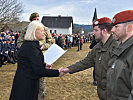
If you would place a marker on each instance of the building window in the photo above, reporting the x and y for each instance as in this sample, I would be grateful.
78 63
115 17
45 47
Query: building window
54 31
51 31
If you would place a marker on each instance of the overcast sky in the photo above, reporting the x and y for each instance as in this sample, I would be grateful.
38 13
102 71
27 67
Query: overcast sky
81 10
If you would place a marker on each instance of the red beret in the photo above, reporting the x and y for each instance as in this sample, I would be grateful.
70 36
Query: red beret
102 21
123 17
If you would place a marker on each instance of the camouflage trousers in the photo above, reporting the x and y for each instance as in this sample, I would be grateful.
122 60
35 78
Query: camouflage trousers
42 91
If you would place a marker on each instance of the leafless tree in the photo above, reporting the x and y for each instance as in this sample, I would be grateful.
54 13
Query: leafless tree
77 30
10 11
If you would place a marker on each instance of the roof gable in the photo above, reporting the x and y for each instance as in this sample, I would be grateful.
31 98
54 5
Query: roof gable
57 22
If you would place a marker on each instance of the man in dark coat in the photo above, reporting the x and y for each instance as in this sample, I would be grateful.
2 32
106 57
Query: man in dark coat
93 43
98 56
78 41
60 41
120 73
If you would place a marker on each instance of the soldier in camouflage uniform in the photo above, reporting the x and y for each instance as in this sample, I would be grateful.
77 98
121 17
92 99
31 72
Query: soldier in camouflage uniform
21 38
45 44
48 40
33 16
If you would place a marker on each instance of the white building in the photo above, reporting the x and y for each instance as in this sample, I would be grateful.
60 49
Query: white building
59 24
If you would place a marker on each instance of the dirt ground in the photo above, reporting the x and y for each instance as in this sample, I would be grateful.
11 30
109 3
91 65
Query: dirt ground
77 86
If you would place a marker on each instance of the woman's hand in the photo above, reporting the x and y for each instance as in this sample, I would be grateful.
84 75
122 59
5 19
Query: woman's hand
48 66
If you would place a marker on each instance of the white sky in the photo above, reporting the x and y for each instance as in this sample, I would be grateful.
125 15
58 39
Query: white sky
81 10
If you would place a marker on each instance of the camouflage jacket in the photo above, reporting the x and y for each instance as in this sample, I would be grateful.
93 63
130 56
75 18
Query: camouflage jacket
48 40
20 40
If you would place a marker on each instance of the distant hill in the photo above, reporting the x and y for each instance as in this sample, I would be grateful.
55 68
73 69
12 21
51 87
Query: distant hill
84 27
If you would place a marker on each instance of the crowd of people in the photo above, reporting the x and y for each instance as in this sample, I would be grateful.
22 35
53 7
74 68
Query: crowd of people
112 57
31 34
67 41
8 47
9 44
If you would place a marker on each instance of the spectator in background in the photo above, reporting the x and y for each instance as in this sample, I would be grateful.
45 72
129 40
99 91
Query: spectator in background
93 43
70 40
5 51
56 38
60 41
11 51
16 37
81 42
78 41
66 41
1 54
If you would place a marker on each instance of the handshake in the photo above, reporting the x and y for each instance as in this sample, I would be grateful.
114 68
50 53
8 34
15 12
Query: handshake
62 71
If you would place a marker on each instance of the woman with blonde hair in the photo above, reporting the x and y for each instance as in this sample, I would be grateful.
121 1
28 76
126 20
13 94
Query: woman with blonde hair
31 65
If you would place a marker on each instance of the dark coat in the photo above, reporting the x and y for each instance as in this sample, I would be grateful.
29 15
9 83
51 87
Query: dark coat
5 48
120 73
99 57
30 69
60 40
93 43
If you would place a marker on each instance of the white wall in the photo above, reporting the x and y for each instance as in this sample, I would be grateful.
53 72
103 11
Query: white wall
70 28
62 30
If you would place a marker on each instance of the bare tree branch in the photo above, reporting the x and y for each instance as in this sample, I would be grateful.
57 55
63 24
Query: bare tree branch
10 11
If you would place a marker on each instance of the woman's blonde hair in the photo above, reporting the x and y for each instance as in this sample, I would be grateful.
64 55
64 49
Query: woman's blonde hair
32 27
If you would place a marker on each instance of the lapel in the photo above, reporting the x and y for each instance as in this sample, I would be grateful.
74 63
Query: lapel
123 46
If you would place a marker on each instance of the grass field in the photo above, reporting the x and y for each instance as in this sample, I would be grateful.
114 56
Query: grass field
77 86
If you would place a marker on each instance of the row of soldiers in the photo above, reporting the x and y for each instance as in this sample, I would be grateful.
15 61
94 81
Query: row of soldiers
8 48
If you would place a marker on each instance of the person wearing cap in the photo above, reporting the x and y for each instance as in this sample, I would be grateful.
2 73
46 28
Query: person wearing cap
48 40
98 56
46 43
33 16
120 73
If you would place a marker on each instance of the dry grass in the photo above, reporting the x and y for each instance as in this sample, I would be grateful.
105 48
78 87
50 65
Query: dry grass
76 86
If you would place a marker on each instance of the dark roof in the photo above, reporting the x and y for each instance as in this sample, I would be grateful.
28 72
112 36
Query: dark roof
57 22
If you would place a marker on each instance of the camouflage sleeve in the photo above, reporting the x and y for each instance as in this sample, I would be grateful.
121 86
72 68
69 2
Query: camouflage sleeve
20 40
48 40
48 36
46 46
